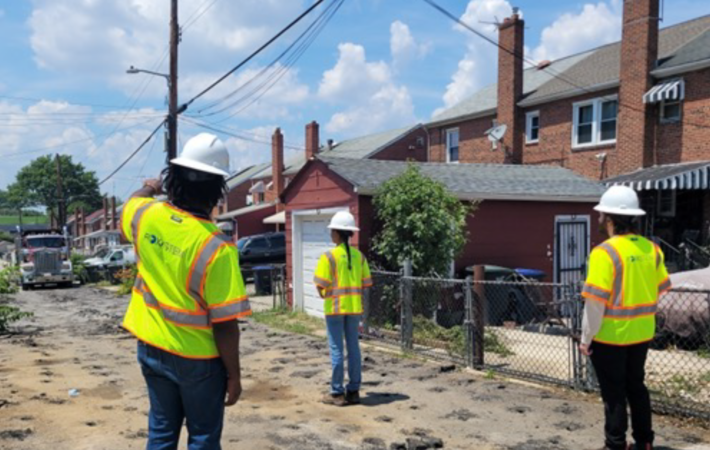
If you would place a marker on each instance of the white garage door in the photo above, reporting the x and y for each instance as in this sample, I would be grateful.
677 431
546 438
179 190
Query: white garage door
315 240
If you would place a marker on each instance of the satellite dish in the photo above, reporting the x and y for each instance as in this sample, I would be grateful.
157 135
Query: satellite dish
496 134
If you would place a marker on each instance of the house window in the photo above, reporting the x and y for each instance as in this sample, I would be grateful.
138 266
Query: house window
666 203
532 127
452 145
594 122
670 111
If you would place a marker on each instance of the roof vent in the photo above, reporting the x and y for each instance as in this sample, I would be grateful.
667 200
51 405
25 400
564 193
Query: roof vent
543 64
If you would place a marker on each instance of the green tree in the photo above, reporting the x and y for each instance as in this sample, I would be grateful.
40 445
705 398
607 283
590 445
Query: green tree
3 199
421 221
36 185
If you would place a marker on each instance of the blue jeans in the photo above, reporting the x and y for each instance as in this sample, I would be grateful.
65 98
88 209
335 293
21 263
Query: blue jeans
339 327
183 389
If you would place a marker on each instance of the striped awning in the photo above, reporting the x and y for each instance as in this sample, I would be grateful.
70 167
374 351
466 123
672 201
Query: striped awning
668 90
667 177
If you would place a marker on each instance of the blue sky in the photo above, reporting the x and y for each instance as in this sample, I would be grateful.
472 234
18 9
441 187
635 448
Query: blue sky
378 64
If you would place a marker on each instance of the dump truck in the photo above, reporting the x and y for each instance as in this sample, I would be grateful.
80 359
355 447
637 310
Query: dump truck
44 258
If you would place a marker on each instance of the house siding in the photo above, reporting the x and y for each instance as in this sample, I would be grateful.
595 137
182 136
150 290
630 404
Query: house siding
474 146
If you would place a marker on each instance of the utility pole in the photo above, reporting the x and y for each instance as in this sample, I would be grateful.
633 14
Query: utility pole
61 219
172 82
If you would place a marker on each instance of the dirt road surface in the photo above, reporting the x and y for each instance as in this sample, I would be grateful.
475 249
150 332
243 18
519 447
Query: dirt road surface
74 342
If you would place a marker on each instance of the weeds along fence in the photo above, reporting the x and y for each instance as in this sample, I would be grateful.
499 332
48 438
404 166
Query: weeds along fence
528 329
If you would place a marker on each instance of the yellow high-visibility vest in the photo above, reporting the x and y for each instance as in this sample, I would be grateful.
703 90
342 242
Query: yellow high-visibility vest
343 287
188 279
627 273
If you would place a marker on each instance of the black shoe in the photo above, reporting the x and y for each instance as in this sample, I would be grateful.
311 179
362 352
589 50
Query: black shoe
353 397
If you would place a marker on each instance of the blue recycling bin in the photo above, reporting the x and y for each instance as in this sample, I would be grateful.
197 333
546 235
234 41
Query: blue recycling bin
534 274
262 280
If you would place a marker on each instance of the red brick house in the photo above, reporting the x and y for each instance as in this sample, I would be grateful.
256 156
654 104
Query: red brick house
537 217
97 228
253 204
635 112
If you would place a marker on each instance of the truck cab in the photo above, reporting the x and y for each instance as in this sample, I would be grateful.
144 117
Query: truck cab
43 258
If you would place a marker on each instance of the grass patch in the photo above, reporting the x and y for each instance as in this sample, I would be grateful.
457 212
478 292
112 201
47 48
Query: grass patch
26 220
453 339
293 322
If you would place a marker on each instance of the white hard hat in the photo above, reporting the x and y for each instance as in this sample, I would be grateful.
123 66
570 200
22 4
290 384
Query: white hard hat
620 201
343 220
205 153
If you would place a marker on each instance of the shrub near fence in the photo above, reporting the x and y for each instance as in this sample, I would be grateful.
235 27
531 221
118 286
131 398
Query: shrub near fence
528 329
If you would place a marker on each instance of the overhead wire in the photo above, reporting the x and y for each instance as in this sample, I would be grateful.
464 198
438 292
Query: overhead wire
140 172
239 134
134 153
252 55
273 63
549 70
301 44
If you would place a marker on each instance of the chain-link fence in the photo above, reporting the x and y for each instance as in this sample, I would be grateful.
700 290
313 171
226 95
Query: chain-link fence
528 329
268 284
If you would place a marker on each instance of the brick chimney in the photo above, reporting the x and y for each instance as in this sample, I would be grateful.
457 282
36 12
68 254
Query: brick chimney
639 52
114 218
106 223
312 140
510 85
82 229
277 164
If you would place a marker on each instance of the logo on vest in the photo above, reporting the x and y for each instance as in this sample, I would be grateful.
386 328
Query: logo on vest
167 246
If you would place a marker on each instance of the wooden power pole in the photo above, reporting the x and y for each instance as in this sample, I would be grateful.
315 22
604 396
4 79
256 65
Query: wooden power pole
61 216
173 82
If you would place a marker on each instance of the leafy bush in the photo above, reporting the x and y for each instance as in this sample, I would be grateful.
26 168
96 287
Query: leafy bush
127 278
79 268
421 221
10 314
8 280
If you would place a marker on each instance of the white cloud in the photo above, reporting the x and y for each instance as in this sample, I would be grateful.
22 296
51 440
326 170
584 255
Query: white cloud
477 68
48 127
353 76
595 25
372 99
403 46
101 39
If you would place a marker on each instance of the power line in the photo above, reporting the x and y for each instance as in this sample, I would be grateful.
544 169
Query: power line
191 21
252 96
238 134
135 152
549 70
65 144
37 99
250 57
140 172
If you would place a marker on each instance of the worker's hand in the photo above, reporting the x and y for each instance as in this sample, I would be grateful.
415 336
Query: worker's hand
154 183
234 390
585 350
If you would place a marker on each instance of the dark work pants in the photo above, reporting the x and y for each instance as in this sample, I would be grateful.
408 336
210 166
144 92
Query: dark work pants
620 371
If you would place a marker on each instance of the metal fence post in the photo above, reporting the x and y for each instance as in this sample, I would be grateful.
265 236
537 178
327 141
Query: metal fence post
468 322
407 325
478 313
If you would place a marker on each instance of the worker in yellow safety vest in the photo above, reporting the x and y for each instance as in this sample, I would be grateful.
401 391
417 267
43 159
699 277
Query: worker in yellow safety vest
627 274
341 277
187 298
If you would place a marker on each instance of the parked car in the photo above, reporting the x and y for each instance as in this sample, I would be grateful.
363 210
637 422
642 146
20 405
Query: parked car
109 260
260 250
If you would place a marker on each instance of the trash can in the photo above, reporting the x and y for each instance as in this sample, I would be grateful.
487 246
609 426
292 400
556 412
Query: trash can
262 280
496 295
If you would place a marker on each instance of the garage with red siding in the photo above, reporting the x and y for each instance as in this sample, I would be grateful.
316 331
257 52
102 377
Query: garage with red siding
537 217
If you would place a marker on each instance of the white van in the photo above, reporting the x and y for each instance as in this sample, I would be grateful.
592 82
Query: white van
114 257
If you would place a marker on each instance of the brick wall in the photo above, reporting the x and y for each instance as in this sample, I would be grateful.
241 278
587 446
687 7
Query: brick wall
406 148
474 146
683 141
555 140
510 84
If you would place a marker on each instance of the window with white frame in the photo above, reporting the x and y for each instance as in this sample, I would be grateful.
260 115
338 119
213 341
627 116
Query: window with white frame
594 122
670 110
452 145
532 127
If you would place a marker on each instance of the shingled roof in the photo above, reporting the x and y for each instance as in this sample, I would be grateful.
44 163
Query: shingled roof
475 181
592 70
